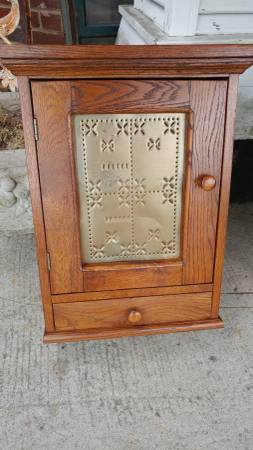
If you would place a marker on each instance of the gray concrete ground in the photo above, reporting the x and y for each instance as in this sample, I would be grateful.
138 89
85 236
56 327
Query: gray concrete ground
189 391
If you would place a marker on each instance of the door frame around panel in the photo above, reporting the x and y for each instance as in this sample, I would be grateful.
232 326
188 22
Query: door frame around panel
112 270
91 274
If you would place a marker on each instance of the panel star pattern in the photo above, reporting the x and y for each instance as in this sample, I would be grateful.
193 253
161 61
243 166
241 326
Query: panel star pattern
130 176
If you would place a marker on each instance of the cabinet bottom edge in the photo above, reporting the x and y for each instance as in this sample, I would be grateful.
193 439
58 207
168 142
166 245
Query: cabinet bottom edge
75 336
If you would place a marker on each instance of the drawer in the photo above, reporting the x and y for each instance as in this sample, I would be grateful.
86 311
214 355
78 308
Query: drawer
129 312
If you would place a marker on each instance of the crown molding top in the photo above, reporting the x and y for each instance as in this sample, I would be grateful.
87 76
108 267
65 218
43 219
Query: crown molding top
126 61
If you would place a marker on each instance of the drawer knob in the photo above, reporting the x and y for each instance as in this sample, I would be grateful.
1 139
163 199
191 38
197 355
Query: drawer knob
206 182
134 316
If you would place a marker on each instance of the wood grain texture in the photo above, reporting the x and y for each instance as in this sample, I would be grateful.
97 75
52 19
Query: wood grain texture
87 52
128 293
123 275
34 184
122 69
208 100
126 61
126 96
225 191
51 107
60 201
115 313
144 330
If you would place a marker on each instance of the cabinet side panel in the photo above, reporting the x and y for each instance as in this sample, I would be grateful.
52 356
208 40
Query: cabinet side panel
225 190
52 107
208 102
33 174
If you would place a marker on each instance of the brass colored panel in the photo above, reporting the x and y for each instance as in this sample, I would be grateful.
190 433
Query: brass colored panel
130 176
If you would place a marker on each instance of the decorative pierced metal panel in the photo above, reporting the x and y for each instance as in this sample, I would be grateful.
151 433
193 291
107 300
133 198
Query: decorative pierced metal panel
130 175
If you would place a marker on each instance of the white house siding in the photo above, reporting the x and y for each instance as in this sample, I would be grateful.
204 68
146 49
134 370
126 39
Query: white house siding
225 17
224 23
229 17
225 6
195 21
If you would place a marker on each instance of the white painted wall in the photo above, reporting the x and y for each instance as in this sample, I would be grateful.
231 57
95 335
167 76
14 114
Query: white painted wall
193 17
195 21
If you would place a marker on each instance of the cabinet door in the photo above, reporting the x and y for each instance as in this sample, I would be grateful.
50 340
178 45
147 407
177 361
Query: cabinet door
130 177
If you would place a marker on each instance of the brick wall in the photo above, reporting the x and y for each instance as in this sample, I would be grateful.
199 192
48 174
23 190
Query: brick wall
41 21
46 22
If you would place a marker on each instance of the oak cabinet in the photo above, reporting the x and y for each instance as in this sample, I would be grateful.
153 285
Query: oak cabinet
129 154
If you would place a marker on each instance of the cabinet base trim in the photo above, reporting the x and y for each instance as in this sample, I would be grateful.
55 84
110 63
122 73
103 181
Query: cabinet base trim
75 336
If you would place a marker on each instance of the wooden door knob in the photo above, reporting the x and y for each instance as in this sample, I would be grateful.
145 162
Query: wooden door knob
134 316
206 182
